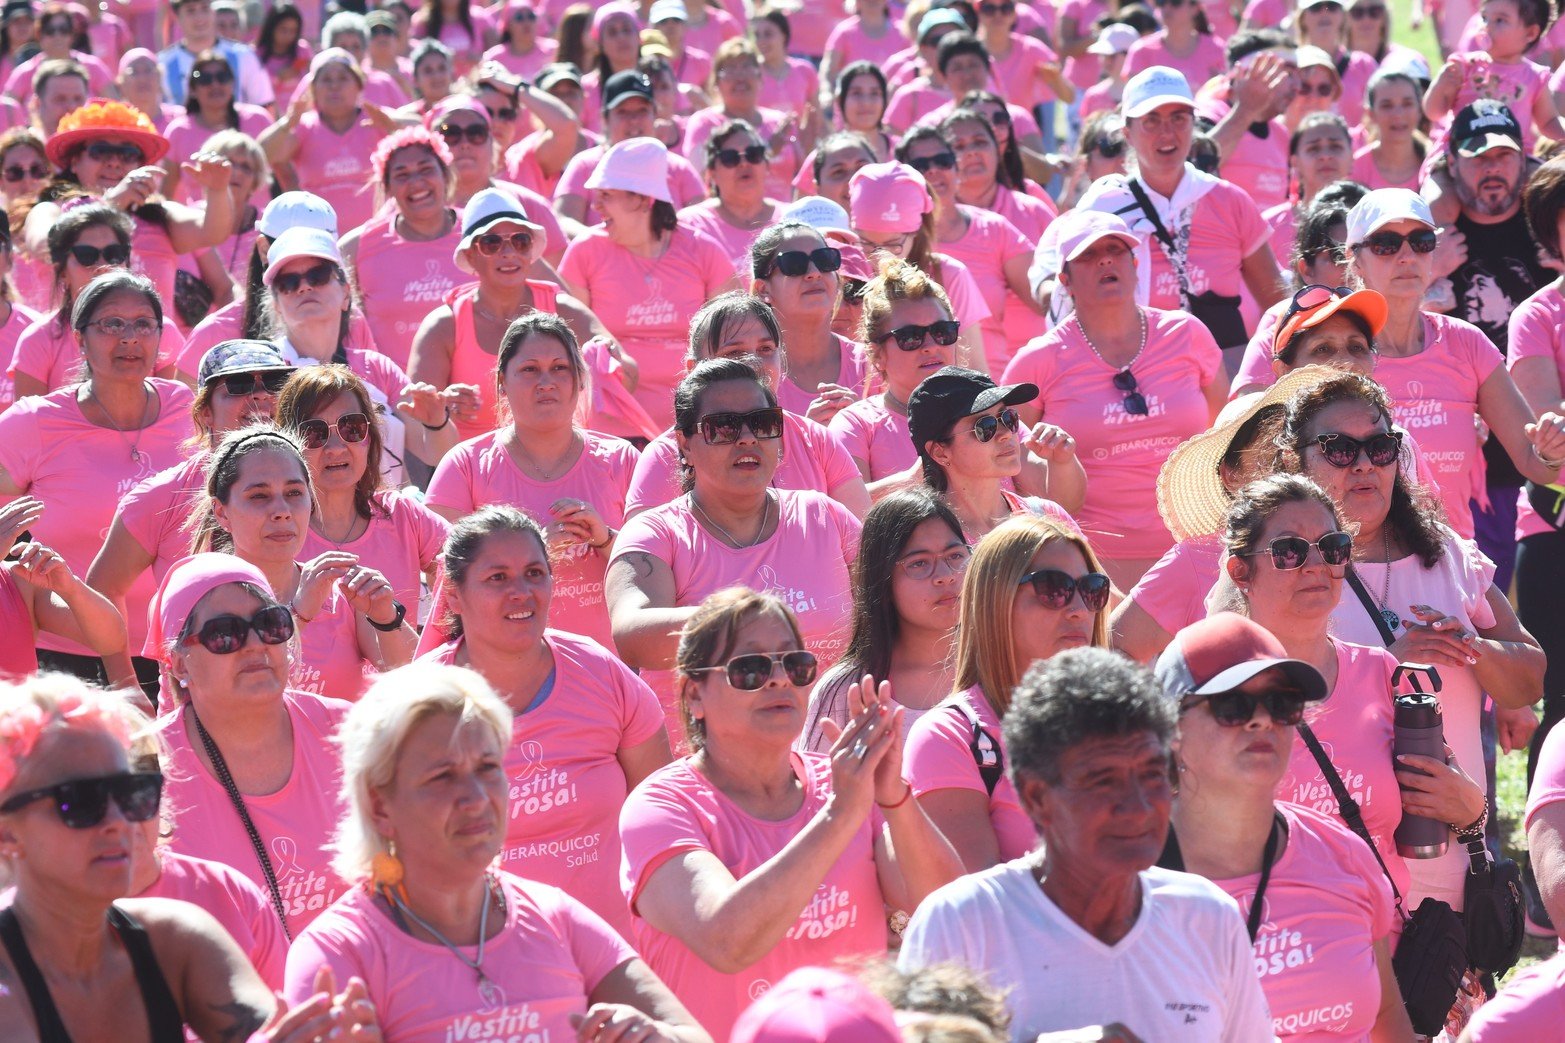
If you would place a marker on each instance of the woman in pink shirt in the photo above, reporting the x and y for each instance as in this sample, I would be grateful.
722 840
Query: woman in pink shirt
749 859
1185 43
1320 152
521 49
1026 70
736 82
585 732
710 24
869 35
467 28
1318 907
210 107
281 46
18 318
1322 24
1032 589
426 807
1392 104
616 34
789 84
736 162
861 109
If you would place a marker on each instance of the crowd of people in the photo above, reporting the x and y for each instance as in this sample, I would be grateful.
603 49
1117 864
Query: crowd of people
677 521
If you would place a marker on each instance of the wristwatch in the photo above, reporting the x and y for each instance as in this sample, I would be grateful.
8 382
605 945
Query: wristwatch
396 620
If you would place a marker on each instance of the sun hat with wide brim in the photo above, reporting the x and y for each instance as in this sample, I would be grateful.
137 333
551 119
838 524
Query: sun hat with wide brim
103 119
1190 492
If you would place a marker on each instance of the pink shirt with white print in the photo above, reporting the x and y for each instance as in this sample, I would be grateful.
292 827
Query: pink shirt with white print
677 809
1259 165
1515 84
402 280
1017 74
336 167
482 471
401 543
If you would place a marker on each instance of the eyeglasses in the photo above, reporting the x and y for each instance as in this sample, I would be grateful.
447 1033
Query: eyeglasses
350 427
57 29
912 337
749 673
1389 244
141 329
91 256
504 114
221 75
1364 13
1236 709
17 172
923 566
740 71
1292 552
475 133
1055 589
102 151
891 246
1343 451
1110 148
986 427
732 157
796 262
524 15
227 634
1135 402
725 428
242 385
317 275
491 243
82 803
939 161
1324 89
993 9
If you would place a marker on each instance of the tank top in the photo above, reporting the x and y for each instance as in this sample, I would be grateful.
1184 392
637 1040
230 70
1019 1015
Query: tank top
162 1012
18 657
402 280
471 364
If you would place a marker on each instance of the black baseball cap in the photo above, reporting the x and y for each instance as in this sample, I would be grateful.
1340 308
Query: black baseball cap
952 393
557 72
625 85
1483 125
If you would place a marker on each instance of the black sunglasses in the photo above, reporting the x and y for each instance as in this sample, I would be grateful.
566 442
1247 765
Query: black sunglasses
351 427
317 275
105 150
998 118
240 385
1235 709
1292 552
797 262
219 75
504 114
82 803
227 634
491 243
1135 402
986 427
1366 12
57 29
1055 589
475 133
992 9
939 161
1389 244
1343 451
1110 148
725 428
91 256
16 172
732 157
749 673
912 337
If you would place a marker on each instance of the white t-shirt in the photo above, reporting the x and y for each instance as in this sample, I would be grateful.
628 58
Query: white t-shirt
1183 973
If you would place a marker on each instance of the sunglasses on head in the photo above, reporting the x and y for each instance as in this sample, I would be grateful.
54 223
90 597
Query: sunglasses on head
1236 709
1135 402
504 114
221 75
939 161
92 256
102 151
732 157
725 428
475 133
83 803
796 262
1293 552
912 337
317 275
986 427
749 673
17 172
1311 297
1367 12
1343 451
1110 148
242 385
1389 244
227 634
491 243
1055 589
350 427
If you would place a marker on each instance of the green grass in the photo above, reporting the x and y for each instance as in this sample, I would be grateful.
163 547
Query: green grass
1423 40
1510 799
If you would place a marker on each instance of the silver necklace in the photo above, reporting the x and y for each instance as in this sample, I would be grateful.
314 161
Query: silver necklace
765 510
1142 347
1392 619
133 446
477 965
532 461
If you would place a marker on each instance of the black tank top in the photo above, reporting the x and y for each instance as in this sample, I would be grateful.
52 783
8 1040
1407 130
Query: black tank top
162 1012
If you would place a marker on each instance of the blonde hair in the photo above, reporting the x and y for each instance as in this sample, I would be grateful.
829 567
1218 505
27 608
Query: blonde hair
225 141
985 643
709 637
372 736
897 280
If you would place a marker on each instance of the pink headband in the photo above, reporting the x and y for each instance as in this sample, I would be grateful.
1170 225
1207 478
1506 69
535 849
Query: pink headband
186 583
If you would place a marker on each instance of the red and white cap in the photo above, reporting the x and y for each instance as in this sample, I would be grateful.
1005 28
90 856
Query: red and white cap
1222 652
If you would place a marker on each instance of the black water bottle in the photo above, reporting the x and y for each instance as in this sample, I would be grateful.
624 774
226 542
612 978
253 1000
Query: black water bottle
1419 729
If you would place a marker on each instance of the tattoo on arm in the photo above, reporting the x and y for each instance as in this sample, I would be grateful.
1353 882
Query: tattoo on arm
244 1020
641 561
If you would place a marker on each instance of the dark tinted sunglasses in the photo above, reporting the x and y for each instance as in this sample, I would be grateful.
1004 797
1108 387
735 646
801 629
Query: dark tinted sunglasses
351 427
225 635
749 673
1055 589
16 172
1235 709
1366 12
1324 89
1110 148
732 157
911 337
475 133
1292 552
725 428
106 150
993 9
317 275
1389 244
57 29
239 385
82 803
1343 451
92 256
491 243
1135 402
504 114
797 262
221 76
940 161
986 427
998 118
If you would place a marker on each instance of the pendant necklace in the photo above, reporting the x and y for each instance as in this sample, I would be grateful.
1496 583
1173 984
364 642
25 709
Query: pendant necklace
1392 619
477 965
133 446
765 510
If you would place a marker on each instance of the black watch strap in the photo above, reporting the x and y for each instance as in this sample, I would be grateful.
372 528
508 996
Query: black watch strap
396 620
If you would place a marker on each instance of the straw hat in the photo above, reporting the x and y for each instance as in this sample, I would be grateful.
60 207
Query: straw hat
1190 493
102 120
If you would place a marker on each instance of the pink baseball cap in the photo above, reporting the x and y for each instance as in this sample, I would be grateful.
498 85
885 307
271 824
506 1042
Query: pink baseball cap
888 199
184 585
610 10
134 55
638 165
457 103
816 1005
1079 229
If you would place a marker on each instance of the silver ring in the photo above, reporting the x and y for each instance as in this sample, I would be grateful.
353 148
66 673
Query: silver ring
859 749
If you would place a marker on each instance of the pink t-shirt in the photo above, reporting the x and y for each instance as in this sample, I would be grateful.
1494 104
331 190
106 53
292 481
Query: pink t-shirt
804 562
791 91
186 136
1283 221
736 242
46 354
16 324
100 80
647 302
539 970
1366 173
875 436
1530 1007
1083 71
400 543
913 102
1173 591
328 662
850 42
1100 97
940 756
1516 84
1121 453
18 655
1548 780
336 167
401 281
684 183
481 471
524 65
785 161
967 302
1354 726
1206 61
716 26
852 372
1537 330
989 243
1017 73
813 458
241 906
296 823
1325 906
80 471
154 512
567 785
1257 165
677 809
224 324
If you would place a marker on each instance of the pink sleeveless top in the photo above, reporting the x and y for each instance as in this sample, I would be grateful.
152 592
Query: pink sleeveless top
401 281
471 364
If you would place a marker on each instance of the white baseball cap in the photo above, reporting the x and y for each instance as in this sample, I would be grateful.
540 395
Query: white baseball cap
296 210
1114 39
1151 88
295 243
637 165
666 9
1380 208
1079 229
820 213
1407 62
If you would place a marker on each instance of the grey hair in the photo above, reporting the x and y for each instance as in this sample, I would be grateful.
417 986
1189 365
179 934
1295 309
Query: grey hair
345 22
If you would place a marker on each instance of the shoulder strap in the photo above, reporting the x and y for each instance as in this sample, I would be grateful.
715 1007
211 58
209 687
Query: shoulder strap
1349 808
1369 606
1175 258
50 1028
162 1011
985 749
1174 859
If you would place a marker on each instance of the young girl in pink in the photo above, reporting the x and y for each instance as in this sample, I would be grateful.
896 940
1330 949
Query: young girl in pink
868 35
1502 71
1185 43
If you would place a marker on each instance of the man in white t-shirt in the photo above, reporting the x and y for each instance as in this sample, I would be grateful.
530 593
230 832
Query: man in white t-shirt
1085 931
